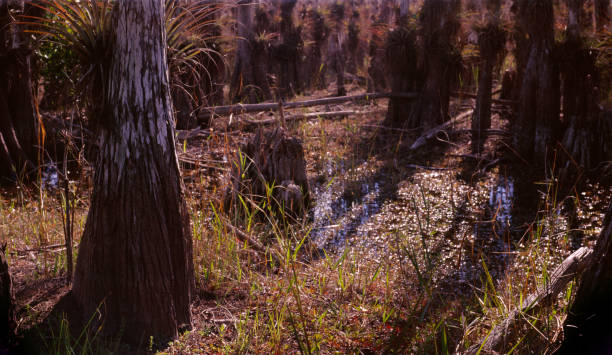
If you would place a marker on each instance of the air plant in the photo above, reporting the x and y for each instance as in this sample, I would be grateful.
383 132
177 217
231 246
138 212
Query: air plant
85 28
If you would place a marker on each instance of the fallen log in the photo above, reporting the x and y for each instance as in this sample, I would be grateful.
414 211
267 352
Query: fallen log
253 243
207 112
504 334
307 116
422 140
495 101
488 132
182 135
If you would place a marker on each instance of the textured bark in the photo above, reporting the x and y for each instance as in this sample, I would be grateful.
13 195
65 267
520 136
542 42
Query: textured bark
19 121
135 258
354 47
580 109
587 327
481 120
537 125
273 158
288 52
520 38
314 75
335 51
244 86
402 64
491 41
377 80
439 25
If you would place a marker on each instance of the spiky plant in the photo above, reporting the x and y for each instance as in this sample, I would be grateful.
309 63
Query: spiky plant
190 30
85 28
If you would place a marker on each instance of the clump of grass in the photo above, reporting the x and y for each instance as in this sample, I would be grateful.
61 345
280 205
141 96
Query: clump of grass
543 247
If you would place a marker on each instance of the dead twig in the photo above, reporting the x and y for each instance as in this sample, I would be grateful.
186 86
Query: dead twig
422 140
207 112
505 332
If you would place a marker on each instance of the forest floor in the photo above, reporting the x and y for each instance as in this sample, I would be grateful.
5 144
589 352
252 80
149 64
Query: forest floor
418 251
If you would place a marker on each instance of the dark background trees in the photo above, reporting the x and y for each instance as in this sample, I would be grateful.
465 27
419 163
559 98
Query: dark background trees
553 100
20 135
491 42
537 124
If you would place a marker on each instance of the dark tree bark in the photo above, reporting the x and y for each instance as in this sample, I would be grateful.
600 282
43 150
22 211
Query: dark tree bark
520 39
402 58
354 48
537 125
314 66
439 26
587 327
19 120
377 81
602 15
246 85
288 52
135 258
335 50
491 41
584 124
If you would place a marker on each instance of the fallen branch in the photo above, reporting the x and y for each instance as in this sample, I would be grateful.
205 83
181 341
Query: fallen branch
489 132
254 243
38 250
495 101
309 116
422 140
182 135
207 112
190 163
422 167
505 332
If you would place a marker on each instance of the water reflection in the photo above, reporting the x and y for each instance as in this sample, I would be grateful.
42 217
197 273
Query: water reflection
501 198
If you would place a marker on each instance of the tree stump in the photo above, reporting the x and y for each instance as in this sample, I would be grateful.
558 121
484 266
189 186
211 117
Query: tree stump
270 169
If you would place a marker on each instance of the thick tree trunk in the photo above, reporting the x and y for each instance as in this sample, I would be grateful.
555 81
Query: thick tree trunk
19 122
288 52
354 48
244 86
402 58
377 81
537 126
481 120
135 258
314 66
521 48
587 327
582 119
491 41
602 15
439 25
336 46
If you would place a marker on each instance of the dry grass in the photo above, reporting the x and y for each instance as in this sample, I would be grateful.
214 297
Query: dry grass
414 277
